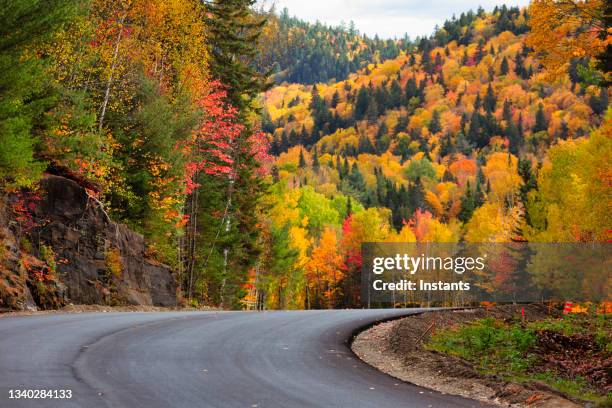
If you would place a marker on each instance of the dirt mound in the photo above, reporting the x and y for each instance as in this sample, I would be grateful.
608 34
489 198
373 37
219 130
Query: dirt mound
576 355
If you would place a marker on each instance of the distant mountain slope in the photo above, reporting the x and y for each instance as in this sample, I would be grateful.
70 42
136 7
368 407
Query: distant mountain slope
301 52
460 138
461 120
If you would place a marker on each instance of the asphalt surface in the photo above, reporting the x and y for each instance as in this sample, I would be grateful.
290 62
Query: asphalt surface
200 359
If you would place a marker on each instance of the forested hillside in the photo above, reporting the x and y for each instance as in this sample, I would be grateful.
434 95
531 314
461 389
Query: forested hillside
296 51
163 114
464 137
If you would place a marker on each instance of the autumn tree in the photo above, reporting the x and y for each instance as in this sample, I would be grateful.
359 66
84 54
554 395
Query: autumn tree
325 271
561 31
233 29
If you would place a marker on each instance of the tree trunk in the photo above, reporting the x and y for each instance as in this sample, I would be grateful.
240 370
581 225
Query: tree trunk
111 75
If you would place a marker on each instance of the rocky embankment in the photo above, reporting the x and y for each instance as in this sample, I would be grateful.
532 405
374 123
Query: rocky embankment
58 246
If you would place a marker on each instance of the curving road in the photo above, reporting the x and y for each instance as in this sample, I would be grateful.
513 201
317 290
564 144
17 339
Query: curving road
200 359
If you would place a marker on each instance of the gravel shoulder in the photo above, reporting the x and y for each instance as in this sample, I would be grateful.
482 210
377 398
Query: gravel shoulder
102 309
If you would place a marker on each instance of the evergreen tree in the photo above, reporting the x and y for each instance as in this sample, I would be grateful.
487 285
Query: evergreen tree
540 120
479 51
349 207
477 103
365 145
600 103
410 90
416 196
315 160
403 149
335 99
383 141
504 68
564 132
519 68
233 28
25 91
476 134
302 161
448 176
468 204
293 138
438 61
362 103
446 146
319 110
426 62
345 167
372 112
284 142
489 101
395 95
356 180
479 198
434 123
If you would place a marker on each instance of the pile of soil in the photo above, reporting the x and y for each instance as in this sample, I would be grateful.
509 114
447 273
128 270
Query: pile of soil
397 348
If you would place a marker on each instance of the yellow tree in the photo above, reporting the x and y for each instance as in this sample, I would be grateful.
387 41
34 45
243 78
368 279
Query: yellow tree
493 223
573 199
325 271
501 171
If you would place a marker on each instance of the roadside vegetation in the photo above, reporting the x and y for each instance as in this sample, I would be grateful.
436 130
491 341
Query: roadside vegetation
571 354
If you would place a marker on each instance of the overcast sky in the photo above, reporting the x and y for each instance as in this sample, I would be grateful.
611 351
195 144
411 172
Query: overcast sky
387 18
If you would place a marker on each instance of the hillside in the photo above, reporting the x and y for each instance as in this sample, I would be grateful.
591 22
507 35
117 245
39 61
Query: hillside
461 138
296 51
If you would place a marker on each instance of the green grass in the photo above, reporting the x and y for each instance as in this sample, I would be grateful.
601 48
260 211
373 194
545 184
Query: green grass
508 349
489 344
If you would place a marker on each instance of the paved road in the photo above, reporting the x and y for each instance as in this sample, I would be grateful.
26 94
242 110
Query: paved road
192 359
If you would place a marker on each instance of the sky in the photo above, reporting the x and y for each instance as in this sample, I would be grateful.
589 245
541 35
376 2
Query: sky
387 18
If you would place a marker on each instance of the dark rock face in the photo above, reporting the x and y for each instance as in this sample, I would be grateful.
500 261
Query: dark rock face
97 260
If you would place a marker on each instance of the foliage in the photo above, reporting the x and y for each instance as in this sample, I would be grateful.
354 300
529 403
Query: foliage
155 107
563 31
526 351
459 137
120 96
25 94
301 52
113 263
489 343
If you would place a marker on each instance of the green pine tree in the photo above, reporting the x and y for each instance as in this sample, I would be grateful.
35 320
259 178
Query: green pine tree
434 123
25 91
504 68
540 120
